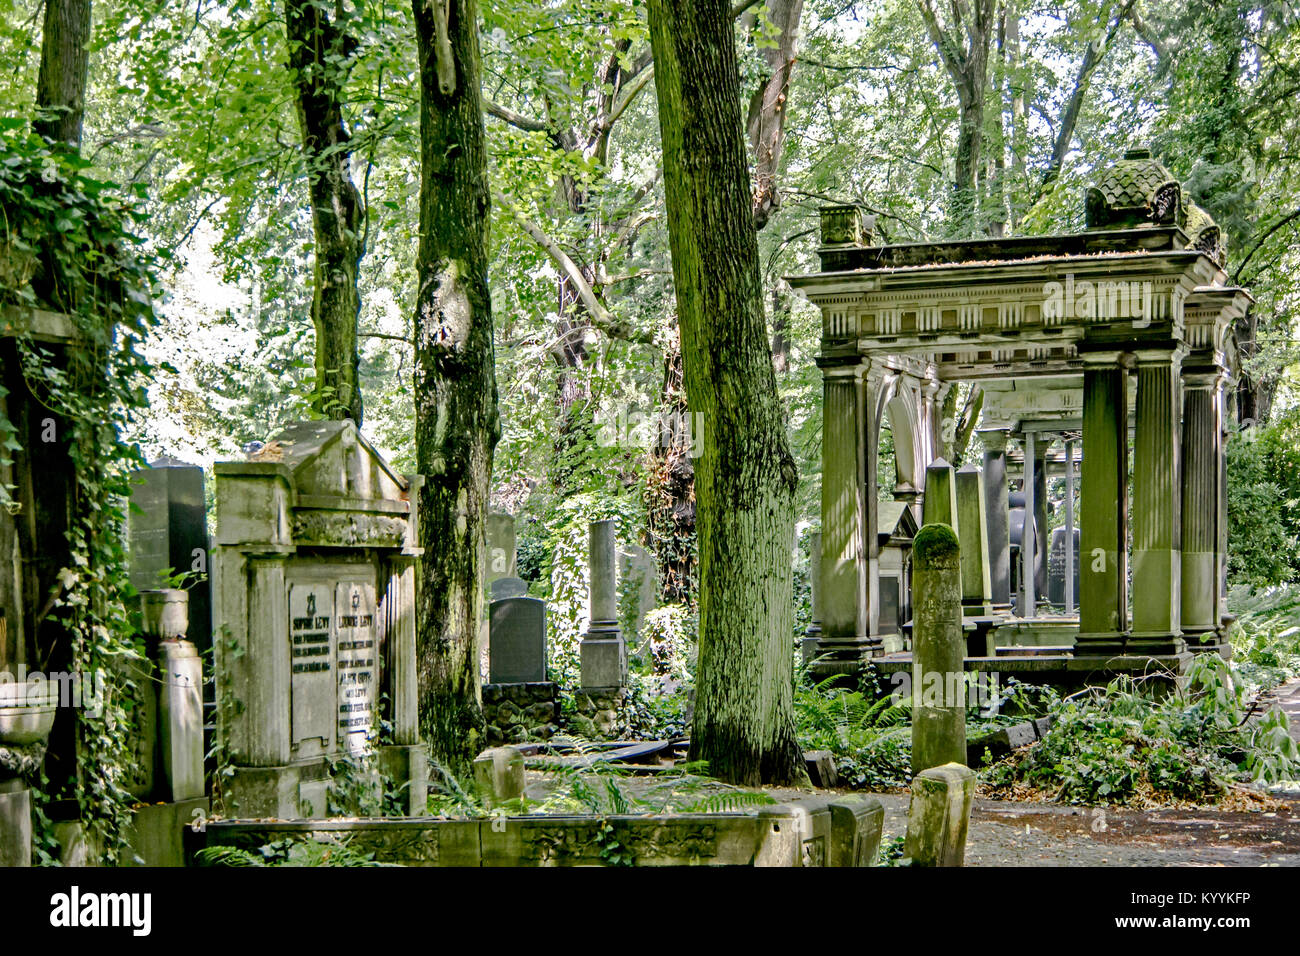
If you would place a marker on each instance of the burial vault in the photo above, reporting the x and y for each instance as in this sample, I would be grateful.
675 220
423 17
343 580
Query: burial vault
1085 344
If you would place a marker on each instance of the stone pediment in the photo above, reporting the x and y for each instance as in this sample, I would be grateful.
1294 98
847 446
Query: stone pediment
318 483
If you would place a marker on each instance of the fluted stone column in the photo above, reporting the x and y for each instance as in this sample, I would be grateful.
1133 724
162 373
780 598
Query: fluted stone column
846 511
1202 451
997 519
812 636
1103 507
1157 501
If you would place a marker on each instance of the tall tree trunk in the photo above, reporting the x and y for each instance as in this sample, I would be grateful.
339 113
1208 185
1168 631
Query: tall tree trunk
65 61
767 107
456 418
964 49
745 479
319 55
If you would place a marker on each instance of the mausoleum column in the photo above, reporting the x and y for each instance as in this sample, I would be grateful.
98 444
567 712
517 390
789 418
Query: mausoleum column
1157 501
1202 450
998 520
1103 506
844 553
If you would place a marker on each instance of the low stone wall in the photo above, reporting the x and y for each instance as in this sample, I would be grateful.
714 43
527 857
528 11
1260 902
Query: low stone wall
819 831
520 712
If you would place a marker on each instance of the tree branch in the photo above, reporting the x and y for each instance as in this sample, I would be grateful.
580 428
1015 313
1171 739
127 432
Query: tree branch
600 316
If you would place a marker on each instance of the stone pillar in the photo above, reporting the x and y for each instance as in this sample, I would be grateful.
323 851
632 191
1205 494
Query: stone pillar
1157 499
1103 506
1069 527
1202 434
1041 543
603 655
844 575
940 495
972 521
180 719
1226 393
997 520
1029 549
938 651
814 632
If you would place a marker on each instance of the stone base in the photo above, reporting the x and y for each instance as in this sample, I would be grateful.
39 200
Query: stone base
603 661
156 835
406 767
16 828
293 792
1060 669
516 713
597 716
842 659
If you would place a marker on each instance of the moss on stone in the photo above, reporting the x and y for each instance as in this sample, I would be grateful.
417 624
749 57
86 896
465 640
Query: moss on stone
935 546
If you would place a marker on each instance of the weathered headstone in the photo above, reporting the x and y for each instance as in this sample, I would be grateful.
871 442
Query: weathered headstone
602 652
16 828
1056 567
500 546
972 525
940 505
938 816
517 641
638 579
314 585
938 674
180 719
499 776
503 588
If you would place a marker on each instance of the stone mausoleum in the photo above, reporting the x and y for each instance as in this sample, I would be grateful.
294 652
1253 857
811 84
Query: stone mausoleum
1107 360
314 623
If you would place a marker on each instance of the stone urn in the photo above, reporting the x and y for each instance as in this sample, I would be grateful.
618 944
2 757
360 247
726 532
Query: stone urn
165 613
27 711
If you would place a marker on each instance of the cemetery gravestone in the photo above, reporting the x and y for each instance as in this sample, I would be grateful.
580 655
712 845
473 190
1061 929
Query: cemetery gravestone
314 587
168 529
517 641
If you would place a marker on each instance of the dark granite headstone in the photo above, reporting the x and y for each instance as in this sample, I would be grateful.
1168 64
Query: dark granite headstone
169 530
517 641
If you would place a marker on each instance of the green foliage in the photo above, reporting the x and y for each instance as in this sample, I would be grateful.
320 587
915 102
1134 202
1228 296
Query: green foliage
316 852
1123 744
76 233
1264 502
1265 636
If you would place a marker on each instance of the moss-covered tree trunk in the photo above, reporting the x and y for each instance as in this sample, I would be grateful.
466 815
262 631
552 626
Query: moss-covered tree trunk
456 419
745 480
319 57
65 60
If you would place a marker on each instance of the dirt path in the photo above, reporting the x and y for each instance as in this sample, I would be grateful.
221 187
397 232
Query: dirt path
1034 834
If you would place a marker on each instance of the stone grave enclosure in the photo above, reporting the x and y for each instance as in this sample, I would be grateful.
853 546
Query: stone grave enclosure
313 590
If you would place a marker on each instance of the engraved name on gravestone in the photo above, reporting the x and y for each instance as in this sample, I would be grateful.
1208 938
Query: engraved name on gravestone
356 665
311 683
